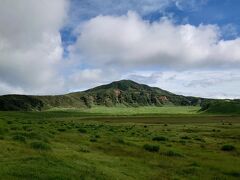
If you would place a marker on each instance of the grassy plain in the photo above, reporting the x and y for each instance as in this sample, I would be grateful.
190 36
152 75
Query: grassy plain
90 145
130 111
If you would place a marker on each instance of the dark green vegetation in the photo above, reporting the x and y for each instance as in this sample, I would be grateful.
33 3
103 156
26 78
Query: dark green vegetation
83 145
121 93
222 106
228 147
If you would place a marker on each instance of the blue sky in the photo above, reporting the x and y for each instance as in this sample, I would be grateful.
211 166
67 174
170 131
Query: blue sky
189 47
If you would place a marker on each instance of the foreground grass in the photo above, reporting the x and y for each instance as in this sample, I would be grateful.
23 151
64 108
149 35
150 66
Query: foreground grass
76 145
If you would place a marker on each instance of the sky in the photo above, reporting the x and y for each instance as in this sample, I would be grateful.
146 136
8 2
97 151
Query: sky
188 47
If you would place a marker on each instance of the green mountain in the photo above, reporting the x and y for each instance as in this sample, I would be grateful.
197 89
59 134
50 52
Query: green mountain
124 92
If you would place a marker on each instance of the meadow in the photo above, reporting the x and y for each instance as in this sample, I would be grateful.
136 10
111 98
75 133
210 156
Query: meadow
119 144
131 111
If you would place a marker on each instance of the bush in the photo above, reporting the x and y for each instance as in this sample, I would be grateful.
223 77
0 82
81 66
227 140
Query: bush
93 139
81 130
199 139
151 148
61 129
172 154
33 135
182 142
97 136
39 145
119 140
3 131
159 138
19 137
228 147
185 137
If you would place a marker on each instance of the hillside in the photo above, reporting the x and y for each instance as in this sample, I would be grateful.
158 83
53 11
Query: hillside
221 107
124 92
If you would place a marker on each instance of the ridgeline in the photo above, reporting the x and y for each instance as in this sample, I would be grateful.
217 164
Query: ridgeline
125 93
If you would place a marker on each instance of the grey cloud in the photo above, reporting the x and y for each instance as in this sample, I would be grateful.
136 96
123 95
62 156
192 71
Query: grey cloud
30 45
146 79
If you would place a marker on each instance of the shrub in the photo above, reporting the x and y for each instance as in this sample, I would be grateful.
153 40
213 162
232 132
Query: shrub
182 142
34 135
39 145
9 122
97 136
151 148
172 154
14 128
159 138
19 137
81 130
185 137
93 139
228 147
199 139
119 140
3 131
61 129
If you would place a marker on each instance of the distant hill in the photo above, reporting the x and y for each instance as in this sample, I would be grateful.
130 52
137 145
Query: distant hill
221 107
124 92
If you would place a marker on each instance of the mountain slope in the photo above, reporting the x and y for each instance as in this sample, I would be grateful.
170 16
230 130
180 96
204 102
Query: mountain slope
221 107
124 92
130 93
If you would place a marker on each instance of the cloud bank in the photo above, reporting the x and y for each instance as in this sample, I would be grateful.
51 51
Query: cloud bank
202 83
30 45
131 41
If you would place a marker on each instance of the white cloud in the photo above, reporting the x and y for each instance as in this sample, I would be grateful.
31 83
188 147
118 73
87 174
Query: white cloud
191 5
89 78
201 83
131 41
30 45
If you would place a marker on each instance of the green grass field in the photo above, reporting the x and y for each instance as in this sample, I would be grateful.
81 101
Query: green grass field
129 111
87 144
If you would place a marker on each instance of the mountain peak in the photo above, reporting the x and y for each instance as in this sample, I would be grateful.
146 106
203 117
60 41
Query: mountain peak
122 85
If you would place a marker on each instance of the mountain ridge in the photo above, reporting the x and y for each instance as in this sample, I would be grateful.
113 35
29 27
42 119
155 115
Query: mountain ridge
123 92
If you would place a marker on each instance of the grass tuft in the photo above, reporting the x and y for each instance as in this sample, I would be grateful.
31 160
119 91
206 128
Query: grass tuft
228 147
172 154
82 130
159 138
151 147
39 145
19 138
